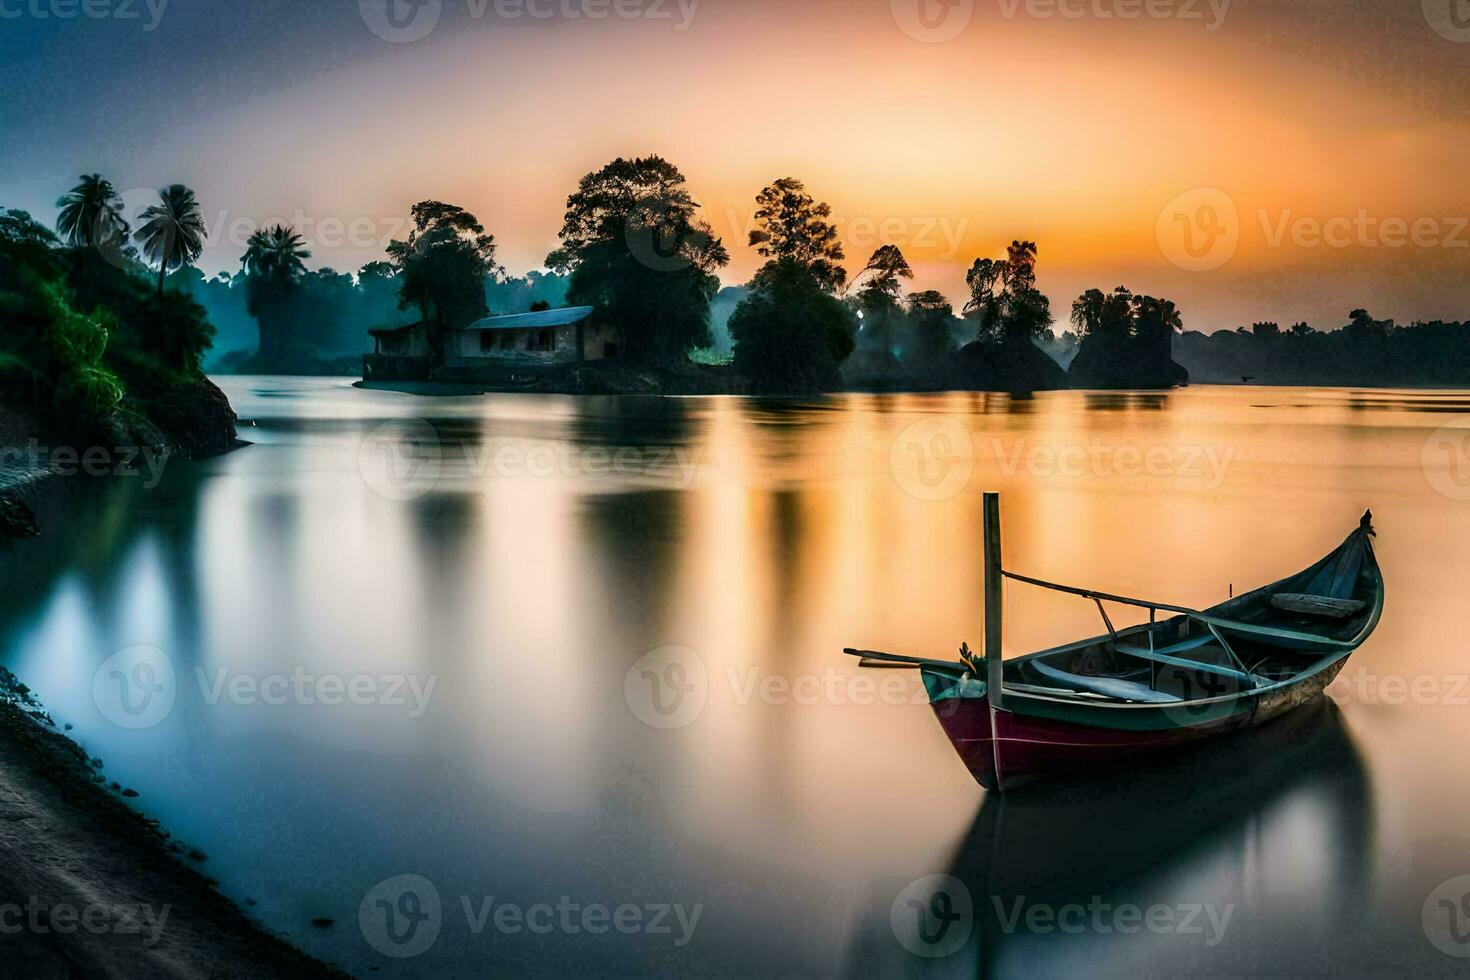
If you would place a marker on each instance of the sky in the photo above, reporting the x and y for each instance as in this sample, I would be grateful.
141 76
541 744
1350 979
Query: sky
1251 160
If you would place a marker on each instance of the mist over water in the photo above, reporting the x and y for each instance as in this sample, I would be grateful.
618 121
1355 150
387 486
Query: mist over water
585 653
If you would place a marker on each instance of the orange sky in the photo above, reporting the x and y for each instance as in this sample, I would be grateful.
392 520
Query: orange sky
1074 132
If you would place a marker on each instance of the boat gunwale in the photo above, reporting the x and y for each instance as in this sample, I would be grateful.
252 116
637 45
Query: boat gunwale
1339 649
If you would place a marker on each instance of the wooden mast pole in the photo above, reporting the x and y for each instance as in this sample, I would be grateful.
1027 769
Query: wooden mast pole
993 603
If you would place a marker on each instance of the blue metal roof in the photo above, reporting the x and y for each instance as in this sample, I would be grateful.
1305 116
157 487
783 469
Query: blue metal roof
534 321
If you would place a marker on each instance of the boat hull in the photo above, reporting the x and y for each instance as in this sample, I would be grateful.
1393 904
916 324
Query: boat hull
1010 747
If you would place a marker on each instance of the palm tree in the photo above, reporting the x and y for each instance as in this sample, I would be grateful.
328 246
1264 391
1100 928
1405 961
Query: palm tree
92 213
275 253
273 267
173 231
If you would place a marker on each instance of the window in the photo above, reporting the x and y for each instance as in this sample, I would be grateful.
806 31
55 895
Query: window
544 340
487 341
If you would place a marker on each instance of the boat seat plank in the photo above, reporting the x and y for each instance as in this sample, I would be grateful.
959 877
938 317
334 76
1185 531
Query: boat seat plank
1195 641
1159 656
1111 686
1317 605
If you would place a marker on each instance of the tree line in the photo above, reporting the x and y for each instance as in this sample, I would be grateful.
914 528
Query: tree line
632 245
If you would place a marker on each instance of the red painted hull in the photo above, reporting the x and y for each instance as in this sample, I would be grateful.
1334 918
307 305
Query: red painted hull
1004 750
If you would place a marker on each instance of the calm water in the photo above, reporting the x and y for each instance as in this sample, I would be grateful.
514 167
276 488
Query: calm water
574 663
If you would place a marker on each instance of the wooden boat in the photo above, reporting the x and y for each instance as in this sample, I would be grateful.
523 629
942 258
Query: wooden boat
1148 689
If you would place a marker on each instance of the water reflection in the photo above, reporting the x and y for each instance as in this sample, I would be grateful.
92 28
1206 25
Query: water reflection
795 530
1259 847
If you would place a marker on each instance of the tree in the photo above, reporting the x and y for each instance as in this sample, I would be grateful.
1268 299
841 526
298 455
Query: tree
635 249
1020 267
92 214
1107 316
1004 301
888 266
273 266
789 335
1266 330
793 227
1027 317
878 301
1155 322
443 264
986 295
1301 329
172 233
929 314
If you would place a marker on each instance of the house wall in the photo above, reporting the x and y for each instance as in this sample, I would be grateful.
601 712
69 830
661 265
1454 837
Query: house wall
512 346
413 342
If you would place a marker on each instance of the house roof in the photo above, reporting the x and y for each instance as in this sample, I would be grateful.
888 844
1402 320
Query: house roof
533 321
385 331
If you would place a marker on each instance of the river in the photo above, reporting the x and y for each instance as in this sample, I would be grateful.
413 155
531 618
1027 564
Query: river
557 681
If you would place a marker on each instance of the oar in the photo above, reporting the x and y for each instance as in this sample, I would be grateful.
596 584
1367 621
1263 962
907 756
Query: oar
879 658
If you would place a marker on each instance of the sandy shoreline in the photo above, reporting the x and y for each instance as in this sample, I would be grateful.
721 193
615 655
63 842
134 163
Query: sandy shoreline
90 887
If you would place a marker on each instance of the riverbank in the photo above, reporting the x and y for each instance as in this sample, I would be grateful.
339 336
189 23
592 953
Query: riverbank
161 419
590 378
90 887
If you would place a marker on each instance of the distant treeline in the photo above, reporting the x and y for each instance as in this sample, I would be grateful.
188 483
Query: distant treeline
633 246
330 313
1365 351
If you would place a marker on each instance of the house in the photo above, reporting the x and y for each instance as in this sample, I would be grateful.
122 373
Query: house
547 338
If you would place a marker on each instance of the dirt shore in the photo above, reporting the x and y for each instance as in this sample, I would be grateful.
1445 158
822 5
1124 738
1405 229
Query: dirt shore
90 887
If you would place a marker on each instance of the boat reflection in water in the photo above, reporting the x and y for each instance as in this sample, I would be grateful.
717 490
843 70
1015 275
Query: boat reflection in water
1245 856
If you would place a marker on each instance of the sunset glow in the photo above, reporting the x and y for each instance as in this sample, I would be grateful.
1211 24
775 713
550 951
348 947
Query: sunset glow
1074 131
